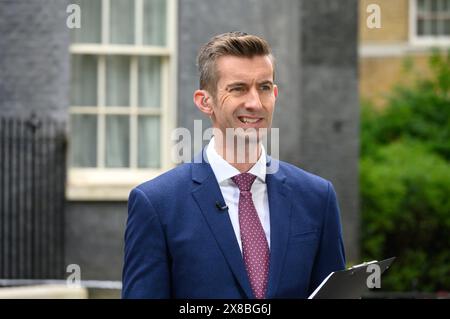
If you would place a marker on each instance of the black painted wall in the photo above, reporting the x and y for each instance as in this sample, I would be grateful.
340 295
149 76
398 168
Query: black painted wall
34 69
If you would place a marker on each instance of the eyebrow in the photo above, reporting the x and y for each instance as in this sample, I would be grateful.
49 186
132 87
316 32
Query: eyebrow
234 84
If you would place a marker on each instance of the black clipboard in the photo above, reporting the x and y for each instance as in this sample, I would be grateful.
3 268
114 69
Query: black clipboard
350 283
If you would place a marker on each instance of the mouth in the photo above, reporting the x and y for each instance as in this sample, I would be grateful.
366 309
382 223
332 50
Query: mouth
250 120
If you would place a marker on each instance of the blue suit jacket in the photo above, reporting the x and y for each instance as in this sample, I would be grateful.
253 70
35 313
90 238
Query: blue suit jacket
178 244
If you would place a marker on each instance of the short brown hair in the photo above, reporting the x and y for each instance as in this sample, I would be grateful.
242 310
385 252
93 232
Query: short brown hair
236 43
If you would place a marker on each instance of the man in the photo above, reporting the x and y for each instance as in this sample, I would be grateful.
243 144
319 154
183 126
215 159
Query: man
224 228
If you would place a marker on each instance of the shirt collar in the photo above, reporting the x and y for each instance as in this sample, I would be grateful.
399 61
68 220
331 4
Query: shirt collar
224 170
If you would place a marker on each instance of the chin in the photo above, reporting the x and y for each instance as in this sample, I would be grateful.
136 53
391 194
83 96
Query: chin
252 135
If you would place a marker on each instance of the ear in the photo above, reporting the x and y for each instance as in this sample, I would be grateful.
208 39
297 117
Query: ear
202 100
275 90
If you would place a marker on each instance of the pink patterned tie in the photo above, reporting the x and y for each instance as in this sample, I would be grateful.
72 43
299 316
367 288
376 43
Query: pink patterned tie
254 243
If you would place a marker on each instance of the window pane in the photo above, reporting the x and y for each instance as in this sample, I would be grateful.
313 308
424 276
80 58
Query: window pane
117 141
122 21
91 19
84 80
426 26
83 140
117 81
446 5
421 6
434 5
447 27
440 27
420 27
149 142
155 22
149 82
434 26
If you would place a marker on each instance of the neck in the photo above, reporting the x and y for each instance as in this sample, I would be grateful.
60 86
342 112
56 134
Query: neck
242 157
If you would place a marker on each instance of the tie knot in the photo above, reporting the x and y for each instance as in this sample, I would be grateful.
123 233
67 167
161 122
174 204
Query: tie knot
244 181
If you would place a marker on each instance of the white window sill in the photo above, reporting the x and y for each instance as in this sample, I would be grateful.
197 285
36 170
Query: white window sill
430 41
399 48
105 184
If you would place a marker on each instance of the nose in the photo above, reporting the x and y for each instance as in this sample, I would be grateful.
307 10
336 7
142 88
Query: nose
253 100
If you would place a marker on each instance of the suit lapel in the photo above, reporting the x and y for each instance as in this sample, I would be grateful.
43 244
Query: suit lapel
280 217
206 194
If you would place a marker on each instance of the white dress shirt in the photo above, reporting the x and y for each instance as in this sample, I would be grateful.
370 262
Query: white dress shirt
230 192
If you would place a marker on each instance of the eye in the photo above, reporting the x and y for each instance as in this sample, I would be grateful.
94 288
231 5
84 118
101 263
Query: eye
266 87
237 89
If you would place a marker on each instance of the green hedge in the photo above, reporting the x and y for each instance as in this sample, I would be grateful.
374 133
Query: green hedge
405 182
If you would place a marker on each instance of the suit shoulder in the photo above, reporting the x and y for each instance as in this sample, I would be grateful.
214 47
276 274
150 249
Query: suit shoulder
167 181
300 178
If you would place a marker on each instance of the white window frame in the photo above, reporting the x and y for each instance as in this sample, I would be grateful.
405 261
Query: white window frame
115 183
423 41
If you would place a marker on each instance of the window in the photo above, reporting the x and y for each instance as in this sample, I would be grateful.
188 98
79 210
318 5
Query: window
121 114
430 21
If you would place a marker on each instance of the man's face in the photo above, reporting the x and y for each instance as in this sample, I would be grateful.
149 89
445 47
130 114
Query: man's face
245 93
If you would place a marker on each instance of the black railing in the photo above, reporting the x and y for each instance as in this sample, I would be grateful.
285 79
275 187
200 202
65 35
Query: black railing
32 197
